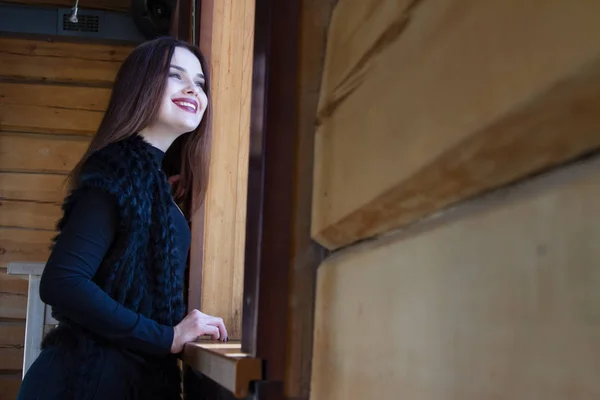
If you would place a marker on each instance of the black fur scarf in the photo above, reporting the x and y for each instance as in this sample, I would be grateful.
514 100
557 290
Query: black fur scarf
141 263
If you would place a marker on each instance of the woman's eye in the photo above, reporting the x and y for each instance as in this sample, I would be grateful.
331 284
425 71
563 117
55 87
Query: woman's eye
200 85
174 75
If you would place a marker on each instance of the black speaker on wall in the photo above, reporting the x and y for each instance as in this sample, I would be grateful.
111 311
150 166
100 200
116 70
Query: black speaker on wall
153 17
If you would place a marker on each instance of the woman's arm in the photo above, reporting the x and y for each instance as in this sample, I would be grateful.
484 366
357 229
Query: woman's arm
67 285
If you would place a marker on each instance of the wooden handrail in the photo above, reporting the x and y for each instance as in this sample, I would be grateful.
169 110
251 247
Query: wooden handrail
225 364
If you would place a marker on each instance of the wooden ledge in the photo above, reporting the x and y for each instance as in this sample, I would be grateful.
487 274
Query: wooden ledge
225 364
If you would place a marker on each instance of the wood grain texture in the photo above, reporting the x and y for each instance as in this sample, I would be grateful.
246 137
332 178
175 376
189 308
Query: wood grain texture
51 108
270 215
12 284
11 358
106 5
26 214
13 299
32 187
40 153
12 338
9 386
496 299
229 50
12 333
306 254
49 61
24 245
417 112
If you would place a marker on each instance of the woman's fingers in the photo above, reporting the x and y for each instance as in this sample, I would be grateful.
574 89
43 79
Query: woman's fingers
213 331
218 322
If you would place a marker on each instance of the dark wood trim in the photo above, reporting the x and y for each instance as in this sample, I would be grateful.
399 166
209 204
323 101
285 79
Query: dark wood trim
181 25
269 221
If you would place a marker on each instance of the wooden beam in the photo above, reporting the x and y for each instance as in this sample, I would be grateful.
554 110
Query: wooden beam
43 188
28 214
62 62
228 48
306 254
9 386
274 133
18 244
225 364
40 153
495 299
419 112
13 296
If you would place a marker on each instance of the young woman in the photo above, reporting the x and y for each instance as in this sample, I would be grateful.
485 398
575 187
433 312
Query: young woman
115 275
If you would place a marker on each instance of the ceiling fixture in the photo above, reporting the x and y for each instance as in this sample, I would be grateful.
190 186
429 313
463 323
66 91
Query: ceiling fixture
73 16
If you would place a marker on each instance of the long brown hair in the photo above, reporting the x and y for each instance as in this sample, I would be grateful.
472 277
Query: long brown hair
134 103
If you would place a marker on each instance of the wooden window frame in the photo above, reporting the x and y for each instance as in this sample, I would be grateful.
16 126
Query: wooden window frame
275 240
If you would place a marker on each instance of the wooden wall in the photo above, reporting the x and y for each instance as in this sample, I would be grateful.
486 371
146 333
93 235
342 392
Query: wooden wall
52 96
426 103
445 282
496 300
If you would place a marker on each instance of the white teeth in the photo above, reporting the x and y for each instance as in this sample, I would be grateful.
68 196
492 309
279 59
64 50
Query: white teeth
185 103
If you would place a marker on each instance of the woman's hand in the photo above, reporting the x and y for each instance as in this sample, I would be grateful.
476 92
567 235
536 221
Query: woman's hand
197 324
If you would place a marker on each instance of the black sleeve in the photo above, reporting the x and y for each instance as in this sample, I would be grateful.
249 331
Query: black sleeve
67 285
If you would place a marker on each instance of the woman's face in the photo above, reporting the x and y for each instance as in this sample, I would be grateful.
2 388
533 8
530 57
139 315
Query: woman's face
184 100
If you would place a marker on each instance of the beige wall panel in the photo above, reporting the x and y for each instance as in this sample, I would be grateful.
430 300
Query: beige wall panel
229 47
450 99
40 153
28 245
497 299
40 60
32 187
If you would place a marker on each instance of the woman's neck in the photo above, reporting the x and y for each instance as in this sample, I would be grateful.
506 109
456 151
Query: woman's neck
160 140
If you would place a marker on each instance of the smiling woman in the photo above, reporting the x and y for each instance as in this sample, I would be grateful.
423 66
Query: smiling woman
115 275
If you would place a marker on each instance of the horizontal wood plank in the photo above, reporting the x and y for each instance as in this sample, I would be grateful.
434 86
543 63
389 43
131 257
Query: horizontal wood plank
51 108
225 364
497 299
10 284
13 297
12 334
11 358
32 187
26 214
9 386
60 61
106 5
25 118
13 306
426 113
54 96
24 245
12 339
40 153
